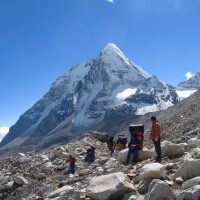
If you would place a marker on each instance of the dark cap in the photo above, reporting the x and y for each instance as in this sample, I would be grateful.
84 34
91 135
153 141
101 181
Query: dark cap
153 118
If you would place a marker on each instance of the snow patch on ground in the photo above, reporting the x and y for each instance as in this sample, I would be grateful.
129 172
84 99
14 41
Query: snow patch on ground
121 93
126 93
153 108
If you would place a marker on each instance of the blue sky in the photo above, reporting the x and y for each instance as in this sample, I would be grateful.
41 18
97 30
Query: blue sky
41 39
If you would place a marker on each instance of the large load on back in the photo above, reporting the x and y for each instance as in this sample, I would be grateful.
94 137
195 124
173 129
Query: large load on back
137 130
121 142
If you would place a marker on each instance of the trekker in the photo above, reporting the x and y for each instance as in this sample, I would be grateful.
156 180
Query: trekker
72 161
155 137
133 149
90 157
110 144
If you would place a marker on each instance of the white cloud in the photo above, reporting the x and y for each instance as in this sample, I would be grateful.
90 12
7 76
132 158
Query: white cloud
3 132
111 1
189 75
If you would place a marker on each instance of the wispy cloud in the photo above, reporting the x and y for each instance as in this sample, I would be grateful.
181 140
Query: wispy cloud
3 132
189 75
110 1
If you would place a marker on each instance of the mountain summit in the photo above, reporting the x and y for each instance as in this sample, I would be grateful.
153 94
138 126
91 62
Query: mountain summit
104 88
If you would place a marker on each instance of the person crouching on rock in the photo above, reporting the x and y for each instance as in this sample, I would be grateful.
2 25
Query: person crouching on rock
133 149
72 161
90 157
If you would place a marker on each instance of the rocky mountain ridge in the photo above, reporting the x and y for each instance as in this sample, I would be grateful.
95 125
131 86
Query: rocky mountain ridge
192 83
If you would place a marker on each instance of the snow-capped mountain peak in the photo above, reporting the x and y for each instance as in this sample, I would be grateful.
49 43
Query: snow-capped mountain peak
110 85
116 64
112 50
192 84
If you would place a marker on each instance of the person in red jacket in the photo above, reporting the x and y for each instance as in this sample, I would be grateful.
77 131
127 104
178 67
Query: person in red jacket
155 137
72 161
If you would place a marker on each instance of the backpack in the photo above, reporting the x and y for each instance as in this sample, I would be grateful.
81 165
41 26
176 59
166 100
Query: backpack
123 140
137 130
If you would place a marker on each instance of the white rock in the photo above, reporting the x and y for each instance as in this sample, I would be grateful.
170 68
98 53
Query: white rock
65 155
46 189
111 161
111 170
160 190
193 142
66 189
189 169
109 186
45 158
25 159
191 193
170 183
195 153
7 186
20 154
57 152
80 151
191 183
171 150
184 146
20 180
179 180
143 155
152 170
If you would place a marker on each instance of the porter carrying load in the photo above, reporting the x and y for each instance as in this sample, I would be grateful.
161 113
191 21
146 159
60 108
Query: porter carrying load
137 130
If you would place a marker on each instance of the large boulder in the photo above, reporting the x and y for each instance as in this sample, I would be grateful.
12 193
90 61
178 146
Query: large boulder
144 154
60 191
111 186
20 180
143 185
195 153
7 186
189 169
192 193
172 150
191 183
193 143
152 170
160 190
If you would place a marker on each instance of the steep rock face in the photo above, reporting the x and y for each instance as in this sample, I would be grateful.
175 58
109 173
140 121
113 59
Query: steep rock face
109 86
192 83
153 95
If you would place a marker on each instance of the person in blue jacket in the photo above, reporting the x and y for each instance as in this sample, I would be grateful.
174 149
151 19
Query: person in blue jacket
133 149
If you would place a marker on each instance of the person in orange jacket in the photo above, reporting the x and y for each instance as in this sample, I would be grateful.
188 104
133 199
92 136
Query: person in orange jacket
155 137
